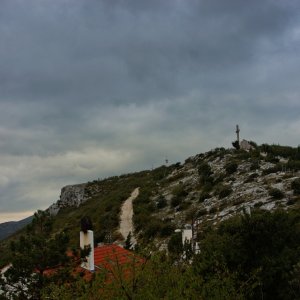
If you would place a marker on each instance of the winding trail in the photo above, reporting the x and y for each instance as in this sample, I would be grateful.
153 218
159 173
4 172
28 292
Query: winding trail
126 224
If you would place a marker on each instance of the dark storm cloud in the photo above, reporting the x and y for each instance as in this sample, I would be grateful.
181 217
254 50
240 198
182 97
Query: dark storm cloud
86 52
95 88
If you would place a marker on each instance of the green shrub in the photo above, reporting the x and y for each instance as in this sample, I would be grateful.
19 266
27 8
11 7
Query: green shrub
251 177
205 172
242 154
231 167
293 165
291 202
179 191
238 201
224 192
150 207
201 212
295 185
255 154
184 205
175 244
204 195
204 169
271 158
254 165
166 230
283 151
276 193
253 144
213 210
161 202
153 228
219 178
160 172
274 169
175 201
236 145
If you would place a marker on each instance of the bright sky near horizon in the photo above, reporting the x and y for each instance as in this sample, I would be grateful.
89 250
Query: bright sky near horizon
90 89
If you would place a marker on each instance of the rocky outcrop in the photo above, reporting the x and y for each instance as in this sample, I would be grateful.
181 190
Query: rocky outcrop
71 196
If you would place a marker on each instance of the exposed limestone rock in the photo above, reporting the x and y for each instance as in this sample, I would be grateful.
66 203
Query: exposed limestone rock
71 195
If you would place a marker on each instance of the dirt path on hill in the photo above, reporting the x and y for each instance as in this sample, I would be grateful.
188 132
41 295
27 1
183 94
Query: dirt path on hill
126 224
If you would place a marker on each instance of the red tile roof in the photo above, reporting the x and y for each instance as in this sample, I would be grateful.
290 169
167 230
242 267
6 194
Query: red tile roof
112 254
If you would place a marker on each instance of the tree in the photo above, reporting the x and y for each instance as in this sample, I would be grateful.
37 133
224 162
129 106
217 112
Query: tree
205 172
128 243
175 246
37 258
236 145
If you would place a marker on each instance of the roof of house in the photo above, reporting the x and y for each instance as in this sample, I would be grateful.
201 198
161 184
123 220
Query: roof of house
113 257
112 254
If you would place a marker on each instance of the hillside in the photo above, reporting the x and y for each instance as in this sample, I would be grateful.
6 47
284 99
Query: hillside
206 189
238 203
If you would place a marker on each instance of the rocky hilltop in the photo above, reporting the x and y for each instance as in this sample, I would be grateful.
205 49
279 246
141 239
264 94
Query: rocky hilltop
221 183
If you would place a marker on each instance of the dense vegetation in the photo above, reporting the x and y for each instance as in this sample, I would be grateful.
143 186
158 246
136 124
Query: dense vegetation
247 257
33 255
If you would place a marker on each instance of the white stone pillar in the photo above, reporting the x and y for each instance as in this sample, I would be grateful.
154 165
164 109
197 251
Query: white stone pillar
87 239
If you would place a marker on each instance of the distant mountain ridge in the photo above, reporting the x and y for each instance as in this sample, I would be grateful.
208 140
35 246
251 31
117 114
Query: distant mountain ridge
9 228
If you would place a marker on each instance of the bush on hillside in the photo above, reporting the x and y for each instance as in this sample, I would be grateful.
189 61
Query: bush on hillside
224 191
276 193
251 177
293 165
204 195
161 202
175 201
166 229
179 193
205 172
271 170
231 167
295 185
175 244
254 165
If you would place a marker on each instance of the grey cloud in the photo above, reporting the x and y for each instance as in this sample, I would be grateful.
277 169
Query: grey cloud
122 55
83 81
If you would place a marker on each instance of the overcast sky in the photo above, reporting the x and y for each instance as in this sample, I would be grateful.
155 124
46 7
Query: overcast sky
90 89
